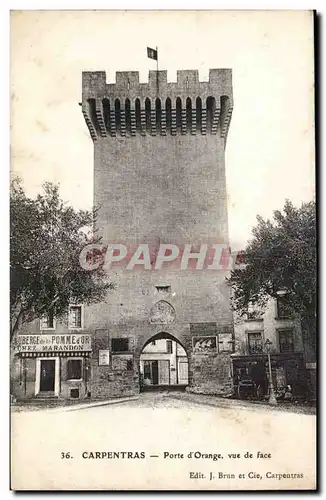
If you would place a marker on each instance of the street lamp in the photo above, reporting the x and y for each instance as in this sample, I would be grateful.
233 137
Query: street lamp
272 399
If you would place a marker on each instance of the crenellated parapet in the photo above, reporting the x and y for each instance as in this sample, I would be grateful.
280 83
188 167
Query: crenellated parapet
128 108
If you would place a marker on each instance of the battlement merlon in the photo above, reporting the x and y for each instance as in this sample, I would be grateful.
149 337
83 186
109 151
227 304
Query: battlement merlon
158 107
127 85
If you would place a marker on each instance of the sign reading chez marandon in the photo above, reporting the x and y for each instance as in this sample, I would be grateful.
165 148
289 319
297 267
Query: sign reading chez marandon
53 343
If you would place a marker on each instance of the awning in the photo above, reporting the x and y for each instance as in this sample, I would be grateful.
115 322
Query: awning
65 354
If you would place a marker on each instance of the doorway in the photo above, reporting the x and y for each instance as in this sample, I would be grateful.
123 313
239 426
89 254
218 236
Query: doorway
163 364
47 375
151 371
157 372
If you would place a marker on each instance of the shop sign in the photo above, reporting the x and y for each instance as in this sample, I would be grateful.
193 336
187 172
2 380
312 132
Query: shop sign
103 357
53 343
204 345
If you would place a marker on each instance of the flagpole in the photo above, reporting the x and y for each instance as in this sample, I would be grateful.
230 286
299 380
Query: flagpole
157 68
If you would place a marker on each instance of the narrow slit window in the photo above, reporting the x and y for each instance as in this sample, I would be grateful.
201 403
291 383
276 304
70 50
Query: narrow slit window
148 115
198 113
178 113
168 108
128 116
158 110
210 105
188 113
117 110
137 113
106 112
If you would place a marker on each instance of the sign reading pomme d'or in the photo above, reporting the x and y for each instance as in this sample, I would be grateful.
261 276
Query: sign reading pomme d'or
53 343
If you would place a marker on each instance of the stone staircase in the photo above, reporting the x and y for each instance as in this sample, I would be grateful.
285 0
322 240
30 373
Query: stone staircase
44 396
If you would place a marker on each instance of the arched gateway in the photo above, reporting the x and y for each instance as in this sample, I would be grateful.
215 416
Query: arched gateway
163 364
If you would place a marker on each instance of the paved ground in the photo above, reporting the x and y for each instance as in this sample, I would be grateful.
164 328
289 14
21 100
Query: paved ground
170 400
184 399
163 429
64 405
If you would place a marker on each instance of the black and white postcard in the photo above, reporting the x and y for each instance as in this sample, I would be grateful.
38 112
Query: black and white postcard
163 250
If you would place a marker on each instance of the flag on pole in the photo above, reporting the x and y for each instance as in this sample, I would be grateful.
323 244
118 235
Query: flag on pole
152 53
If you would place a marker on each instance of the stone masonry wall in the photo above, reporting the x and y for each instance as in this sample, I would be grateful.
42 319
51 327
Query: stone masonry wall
159 179
208 373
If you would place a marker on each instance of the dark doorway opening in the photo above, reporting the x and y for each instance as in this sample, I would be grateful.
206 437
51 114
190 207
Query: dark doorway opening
47 375
151 371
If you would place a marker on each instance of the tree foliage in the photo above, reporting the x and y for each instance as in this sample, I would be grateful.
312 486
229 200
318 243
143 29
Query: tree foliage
280 257
46 238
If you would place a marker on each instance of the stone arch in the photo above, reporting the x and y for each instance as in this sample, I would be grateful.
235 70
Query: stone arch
162 334
177 372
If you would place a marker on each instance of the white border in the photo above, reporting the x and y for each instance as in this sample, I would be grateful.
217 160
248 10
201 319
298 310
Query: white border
319 5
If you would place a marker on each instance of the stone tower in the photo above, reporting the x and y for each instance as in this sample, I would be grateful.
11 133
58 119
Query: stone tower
159 178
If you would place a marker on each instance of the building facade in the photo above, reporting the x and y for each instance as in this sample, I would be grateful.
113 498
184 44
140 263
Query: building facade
250 358
159 179
159 182
51 358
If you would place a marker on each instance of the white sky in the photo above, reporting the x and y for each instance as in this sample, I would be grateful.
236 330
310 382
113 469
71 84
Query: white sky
270 151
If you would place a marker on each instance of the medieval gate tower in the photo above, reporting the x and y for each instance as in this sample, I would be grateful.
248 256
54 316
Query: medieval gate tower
159 178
